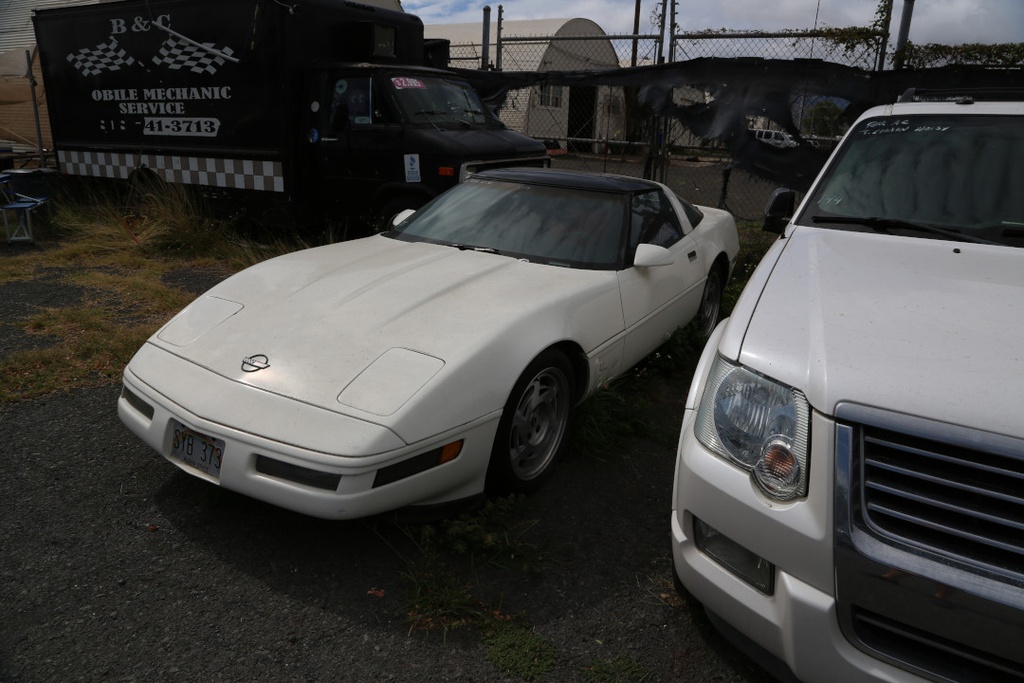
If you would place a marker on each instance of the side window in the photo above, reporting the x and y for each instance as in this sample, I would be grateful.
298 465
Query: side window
652 221
693 214
550 95
351 102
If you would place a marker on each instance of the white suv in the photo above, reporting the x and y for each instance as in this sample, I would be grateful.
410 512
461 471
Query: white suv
775 138
849 493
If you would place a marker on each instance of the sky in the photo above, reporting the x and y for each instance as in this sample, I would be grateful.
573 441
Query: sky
951 22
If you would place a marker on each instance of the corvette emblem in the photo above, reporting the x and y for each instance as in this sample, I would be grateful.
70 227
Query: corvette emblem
255 363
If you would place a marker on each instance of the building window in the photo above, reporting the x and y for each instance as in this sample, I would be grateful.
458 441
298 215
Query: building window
614 105
550 95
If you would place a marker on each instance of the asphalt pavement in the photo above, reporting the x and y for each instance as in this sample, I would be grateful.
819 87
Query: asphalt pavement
114 565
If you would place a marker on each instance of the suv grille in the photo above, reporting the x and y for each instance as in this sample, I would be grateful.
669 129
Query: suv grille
956 501
928 652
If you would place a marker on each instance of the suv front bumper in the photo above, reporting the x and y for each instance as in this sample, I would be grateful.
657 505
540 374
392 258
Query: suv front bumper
798 624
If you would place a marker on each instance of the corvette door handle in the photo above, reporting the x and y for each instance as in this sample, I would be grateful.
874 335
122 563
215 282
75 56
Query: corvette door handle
692 255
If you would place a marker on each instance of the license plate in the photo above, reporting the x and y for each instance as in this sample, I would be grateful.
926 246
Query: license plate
197 450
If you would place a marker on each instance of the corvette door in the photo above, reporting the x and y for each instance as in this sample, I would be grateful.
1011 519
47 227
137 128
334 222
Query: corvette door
658 299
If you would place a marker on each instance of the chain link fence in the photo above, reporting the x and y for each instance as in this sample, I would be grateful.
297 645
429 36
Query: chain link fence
602 127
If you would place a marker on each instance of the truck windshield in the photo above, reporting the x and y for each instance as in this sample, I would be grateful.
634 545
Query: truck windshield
435 100
939 176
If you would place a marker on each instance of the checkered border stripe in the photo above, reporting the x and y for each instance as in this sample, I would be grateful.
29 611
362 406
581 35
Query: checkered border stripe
239 174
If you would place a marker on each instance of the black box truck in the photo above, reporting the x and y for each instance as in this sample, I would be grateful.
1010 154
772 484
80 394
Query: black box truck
331 104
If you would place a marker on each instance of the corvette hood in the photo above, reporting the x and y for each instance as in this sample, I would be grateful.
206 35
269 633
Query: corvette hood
926 327
371 327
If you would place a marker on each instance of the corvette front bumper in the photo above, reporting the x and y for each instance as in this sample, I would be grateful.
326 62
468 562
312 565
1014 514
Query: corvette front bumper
297 456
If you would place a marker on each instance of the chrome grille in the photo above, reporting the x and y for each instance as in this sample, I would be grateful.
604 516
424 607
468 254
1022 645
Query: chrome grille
947 659
962 502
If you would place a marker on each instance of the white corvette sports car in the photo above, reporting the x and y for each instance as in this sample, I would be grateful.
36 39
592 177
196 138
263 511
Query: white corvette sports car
430 363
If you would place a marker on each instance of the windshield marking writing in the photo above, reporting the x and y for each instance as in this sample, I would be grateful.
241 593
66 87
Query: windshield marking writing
404 82
889 127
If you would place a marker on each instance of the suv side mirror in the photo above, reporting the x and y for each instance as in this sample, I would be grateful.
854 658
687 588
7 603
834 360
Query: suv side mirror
780 209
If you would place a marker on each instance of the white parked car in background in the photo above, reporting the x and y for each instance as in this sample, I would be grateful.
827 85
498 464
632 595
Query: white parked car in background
420 366
775 138
849 489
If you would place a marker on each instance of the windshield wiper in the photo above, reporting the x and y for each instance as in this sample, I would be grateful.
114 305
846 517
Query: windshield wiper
886 224
467 247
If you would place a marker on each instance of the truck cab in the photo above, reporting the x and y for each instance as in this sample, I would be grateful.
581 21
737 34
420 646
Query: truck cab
393 137
330 106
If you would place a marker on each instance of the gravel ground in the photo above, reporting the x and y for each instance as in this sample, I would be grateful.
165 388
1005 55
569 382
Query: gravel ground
116 566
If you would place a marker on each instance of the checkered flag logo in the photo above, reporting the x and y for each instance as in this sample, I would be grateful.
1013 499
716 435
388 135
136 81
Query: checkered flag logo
178 54
109 56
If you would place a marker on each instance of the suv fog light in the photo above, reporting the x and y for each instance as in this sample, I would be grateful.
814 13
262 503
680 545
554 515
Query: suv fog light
755 570
777 471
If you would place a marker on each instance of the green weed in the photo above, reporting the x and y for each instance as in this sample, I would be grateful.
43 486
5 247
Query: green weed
621 669
438 599
442 577
518 650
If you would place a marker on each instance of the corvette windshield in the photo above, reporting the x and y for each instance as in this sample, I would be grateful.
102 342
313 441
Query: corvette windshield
938 176
564 226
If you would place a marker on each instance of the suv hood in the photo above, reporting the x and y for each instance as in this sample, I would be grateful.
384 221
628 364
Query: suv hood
928 327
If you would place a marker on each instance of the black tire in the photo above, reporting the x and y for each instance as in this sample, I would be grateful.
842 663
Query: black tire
534 426
711 303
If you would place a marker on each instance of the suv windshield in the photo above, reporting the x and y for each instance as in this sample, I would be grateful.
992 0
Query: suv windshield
434 100
939 176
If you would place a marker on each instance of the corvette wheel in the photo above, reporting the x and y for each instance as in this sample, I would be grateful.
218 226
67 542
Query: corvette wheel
533 427
710 303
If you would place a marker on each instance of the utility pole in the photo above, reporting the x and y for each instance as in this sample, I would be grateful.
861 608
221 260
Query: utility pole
485 48
883 25
636 31
901 38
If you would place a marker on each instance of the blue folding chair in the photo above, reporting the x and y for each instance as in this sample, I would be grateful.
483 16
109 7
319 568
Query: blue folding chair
22 206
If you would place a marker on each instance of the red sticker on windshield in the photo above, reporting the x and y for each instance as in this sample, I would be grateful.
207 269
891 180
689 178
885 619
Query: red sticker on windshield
404 82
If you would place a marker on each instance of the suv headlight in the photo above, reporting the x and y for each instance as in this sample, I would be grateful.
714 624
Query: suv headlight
758 424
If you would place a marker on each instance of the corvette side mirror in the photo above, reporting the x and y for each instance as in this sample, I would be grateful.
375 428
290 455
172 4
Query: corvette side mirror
401 216
651 256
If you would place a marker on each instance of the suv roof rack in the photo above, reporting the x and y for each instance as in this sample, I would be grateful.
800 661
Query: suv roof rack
962 96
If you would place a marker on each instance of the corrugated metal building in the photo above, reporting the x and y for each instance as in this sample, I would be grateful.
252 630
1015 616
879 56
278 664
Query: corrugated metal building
17 116
578 117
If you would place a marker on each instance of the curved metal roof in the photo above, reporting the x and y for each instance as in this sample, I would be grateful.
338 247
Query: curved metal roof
558 54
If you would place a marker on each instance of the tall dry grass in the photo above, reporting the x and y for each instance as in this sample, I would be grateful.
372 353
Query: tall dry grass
115 243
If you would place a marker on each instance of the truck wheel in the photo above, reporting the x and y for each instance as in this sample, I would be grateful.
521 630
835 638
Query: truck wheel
533 428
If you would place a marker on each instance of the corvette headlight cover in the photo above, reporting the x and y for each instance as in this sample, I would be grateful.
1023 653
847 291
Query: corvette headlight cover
198 318
758 424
